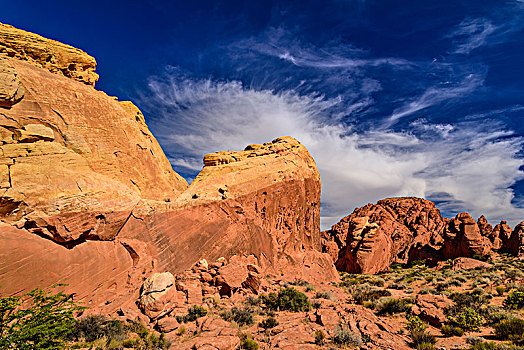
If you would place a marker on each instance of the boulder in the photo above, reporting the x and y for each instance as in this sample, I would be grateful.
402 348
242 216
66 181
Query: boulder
430 308
155 295
468 264
11 88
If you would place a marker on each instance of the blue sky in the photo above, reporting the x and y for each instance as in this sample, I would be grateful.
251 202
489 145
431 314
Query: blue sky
392 98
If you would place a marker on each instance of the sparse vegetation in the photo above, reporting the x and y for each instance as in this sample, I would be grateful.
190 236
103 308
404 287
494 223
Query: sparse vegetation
514 300
193 313
392 306
241 316
268 323
320 337
512 329
342 336
288 299
246 342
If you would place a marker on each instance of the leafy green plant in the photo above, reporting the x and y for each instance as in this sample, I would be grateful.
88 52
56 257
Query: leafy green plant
500 290
242 316
39 319
514 300
468 319
288 299
415 324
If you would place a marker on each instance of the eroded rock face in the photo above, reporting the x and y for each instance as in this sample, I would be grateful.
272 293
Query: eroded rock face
515 243
82 176
263 204
500 235
48 54
376 235
462 238
11 88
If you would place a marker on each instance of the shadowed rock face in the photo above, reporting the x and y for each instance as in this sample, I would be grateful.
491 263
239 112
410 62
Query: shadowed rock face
88 197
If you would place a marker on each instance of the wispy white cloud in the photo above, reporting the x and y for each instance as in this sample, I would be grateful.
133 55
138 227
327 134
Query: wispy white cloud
471 164
437 94
280 43
471 34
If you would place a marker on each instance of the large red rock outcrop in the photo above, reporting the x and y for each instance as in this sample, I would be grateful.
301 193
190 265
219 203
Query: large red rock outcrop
515 244
376 235
262 201
89 198
462 238
500 235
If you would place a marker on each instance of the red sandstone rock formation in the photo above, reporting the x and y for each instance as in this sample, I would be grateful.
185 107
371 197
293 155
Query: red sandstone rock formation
407 229
376 235
462 238
500 235
515 243
89 198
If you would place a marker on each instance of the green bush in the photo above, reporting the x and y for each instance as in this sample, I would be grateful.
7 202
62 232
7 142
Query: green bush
415 324
242 316
500 290
288 299
468 319
450 331
392 306
512 329
193 313
269 323
39 319
514 300
343 337
247 343
320 337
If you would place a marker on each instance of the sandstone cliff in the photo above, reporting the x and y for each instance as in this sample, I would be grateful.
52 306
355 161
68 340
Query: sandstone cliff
89 198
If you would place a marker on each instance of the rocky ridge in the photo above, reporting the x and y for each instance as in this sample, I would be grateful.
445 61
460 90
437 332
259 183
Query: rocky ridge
89 198
405 229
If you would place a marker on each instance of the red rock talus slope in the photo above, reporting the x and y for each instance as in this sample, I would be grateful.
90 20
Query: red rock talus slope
406 229
88 197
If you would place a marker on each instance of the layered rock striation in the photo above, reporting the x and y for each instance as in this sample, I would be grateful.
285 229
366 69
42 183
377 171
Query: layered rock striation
88 197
